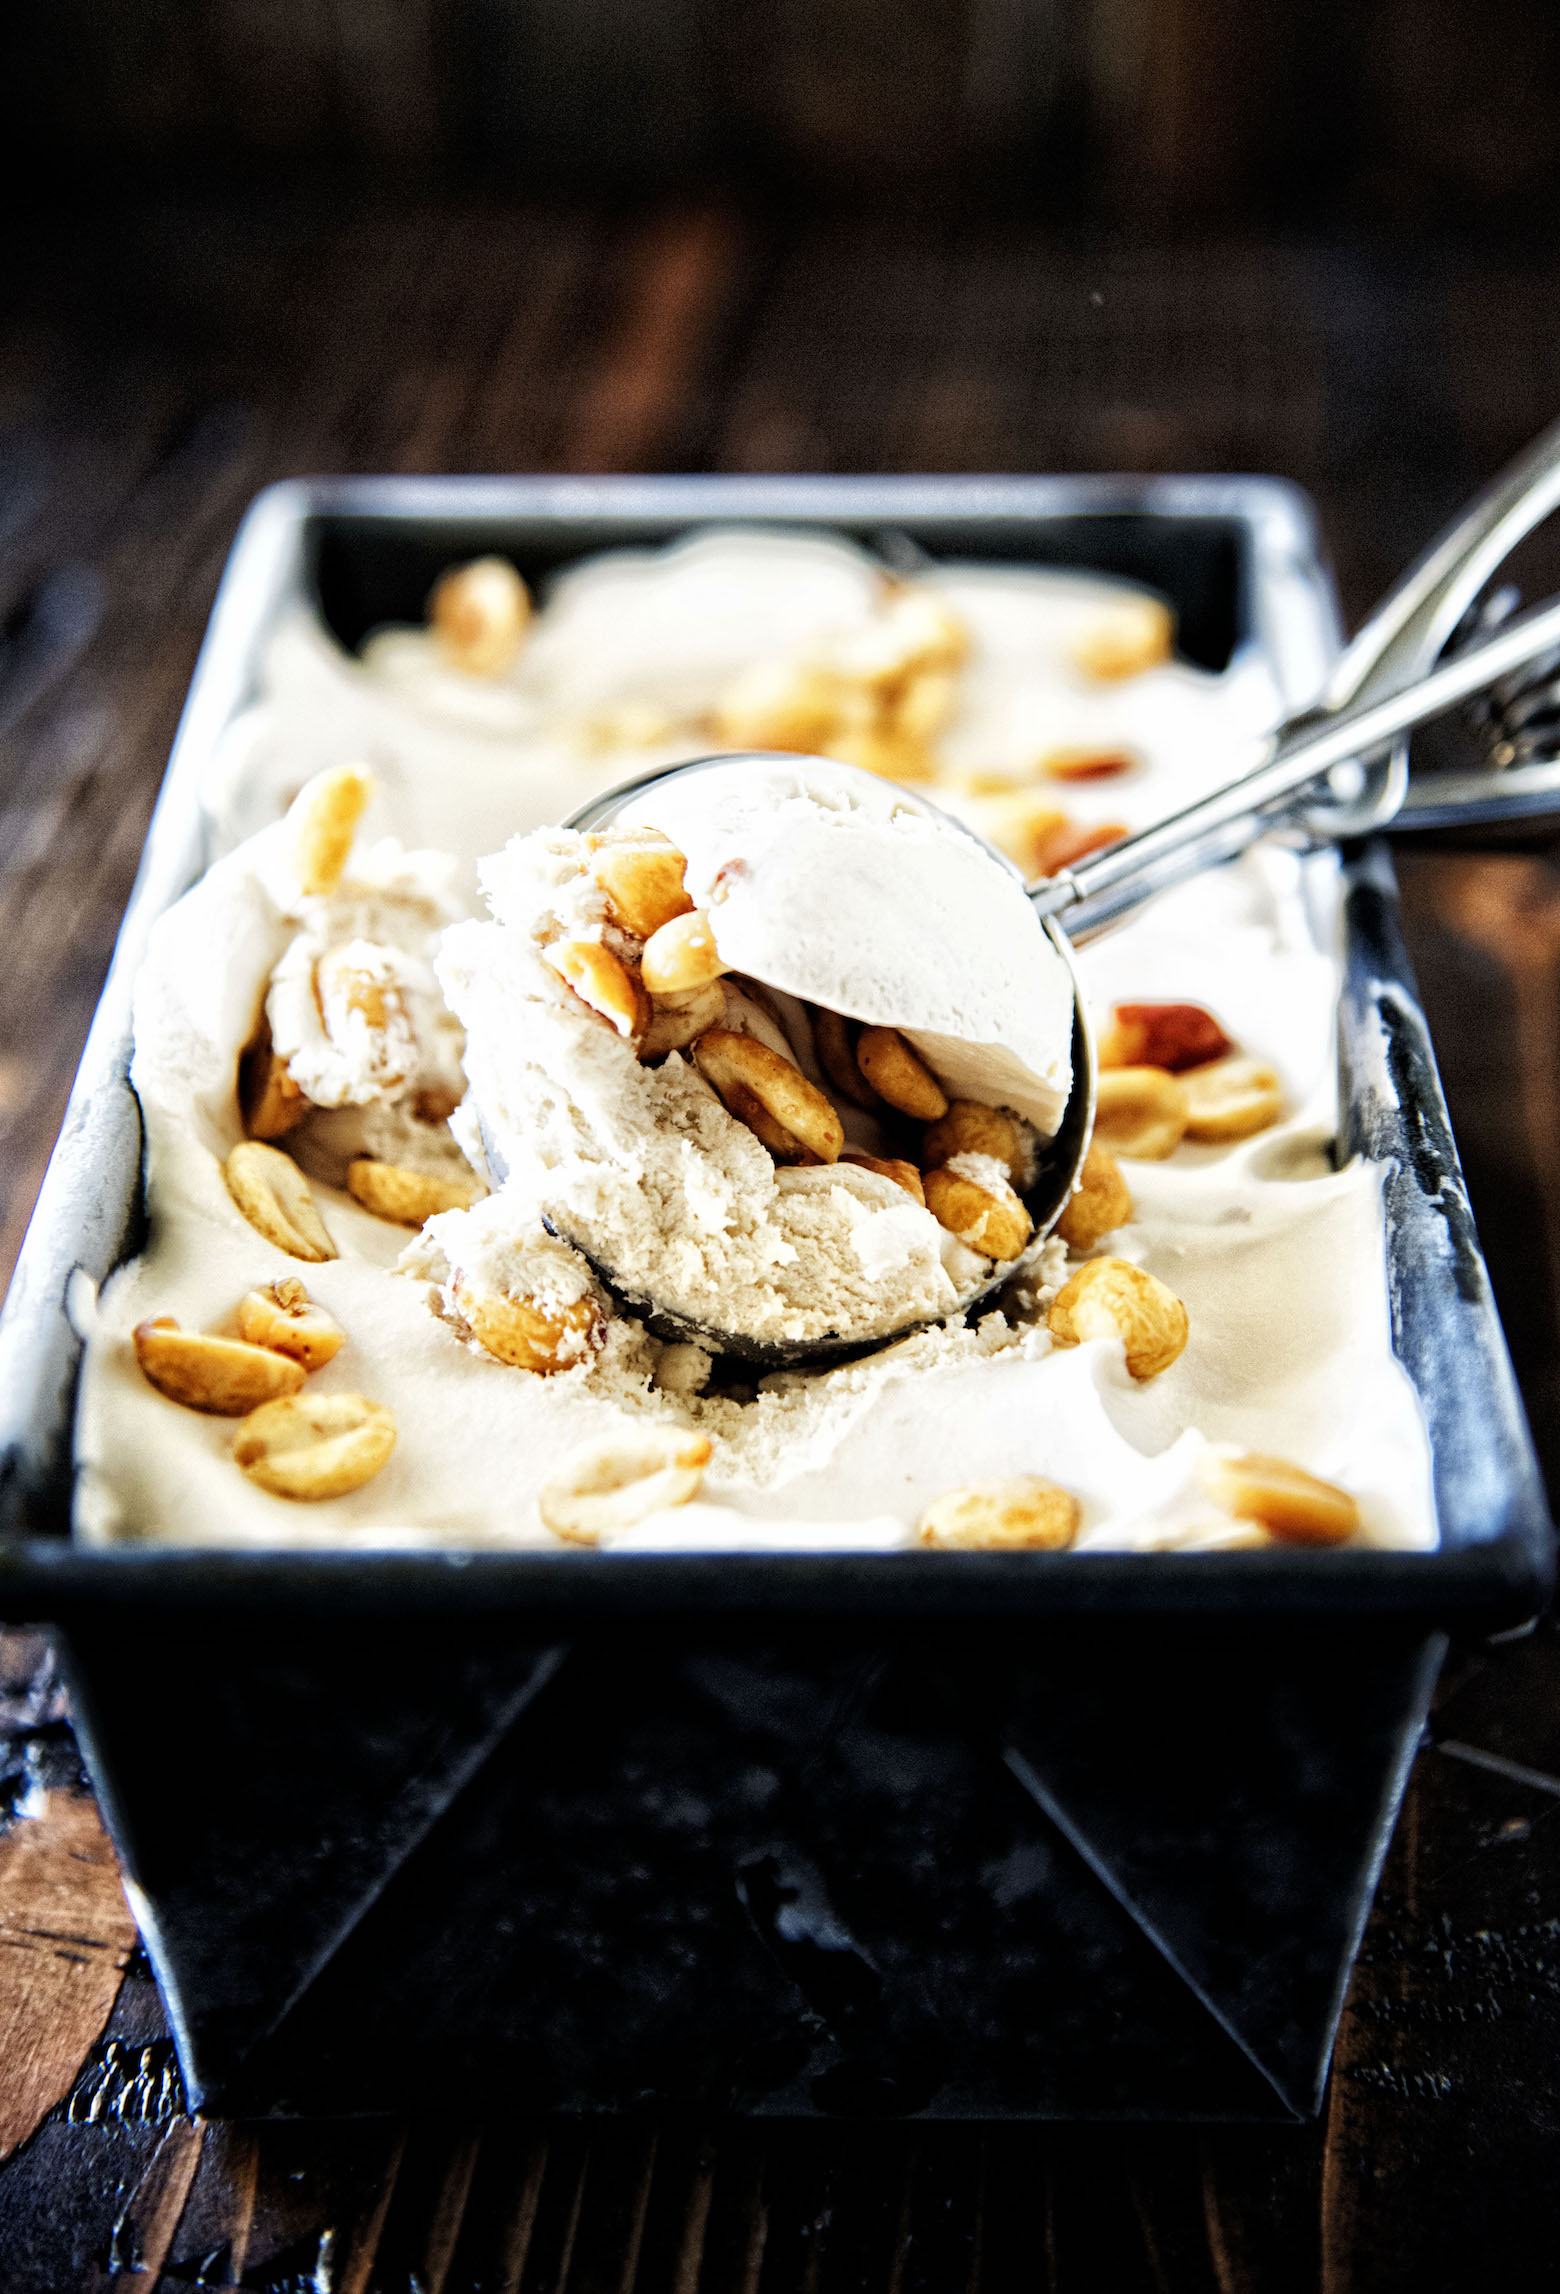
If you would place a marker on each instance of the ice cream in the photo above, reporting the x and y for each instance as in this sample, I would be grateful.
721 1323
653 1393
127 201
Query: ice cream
1277 1257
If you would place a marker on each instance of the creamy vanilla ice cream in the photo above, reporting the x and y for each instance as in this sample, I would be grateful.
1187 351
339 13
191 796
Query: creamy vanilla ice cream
1277 1256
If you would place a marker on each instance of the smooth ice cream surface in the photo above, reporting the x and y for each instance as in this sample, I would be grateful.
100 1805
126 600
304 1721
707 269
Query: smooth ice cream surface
1278 1257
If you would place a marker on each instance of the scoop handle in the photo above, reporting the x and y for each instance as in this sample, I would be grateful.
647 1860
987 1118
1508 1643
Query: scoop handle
1086 898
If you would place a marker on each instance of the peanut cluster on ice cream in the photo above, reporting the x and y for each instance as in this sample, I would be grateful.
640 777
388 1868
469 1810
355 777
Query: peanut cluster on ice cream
708 1044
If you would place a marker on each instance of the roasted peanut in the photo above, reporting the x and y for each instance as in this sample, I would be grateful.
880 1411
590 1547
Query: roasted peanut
892 755
1140 1111
313 1446
889 1167
530 1333
681 955
269 1101
478 614
676 1020
222 1376
740 1068
1295 1507
897 1073
1099 1204
779 705
1231 1099
1069 842
992 1222
285 1318
1008 1514
603 982
273 1195
406 1197
364 1011
1173 1036
324 817
834 1042
1123 638
641 873
609 1485
1086 764
1112 1298
969 1128
922 710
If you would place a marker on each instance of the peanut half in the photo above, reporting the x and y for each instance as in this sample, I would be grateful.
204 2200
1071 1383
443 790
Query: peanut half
993 1223
273 1195
531 1333
681 955
406 1197
609 1485
1231 1099
1086 764
889 1167
268 1099
324 817
1295 1507
1140 1111
676 1020
835 1045
478 614
363 1009
1123 638
897 1073
969 1128
1011 1513
1112 1298
641 873
1100 1203
1174 1036
223 1376
285 1318
313 1446
603 983
747 1074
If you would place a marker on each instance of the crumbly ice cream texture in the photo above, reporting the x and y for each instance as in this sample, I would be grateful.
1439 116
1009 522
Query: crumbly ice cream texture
1277 1255
829 893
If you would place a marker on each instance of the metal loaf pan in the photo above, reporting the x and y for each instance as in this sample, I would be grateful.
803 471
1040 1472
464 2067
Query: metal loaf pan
1056 1835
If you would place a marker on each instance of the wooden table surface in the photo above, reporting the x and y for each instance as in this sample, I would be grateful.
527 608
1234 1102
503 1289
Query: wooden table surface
158 364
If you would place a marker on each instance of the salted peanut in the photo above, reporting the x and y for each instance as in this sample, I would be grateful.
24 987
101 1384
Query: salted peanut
364 1012
995 1224
1011 1513
274 1197
324 817
604 982
269 1101
222 1376
779 705
1175 1036
1231 1099
1086 764
285 1318
898 1074
478 614
681 955
609 1485
741 1068
676 1020
1124 638
314 1446
889 1167
1099 1204
1295 1507
1140 1111
835 1045
528 1333
1064 846
922 709
390 1191
887 753
1112 1298
969 1128
641 873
